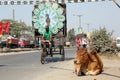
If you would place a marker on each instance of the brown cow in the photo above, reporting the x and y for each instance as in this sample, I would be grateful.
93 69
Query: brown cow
87 63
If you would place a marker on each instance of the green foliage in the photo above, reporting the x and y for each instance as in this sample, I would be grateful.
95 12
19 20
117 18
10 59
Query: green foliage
71 34
18 28
101 40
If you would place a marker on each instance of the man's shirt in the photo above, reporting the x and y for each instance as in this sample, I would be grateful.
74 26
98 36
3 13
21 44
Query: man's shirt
47 35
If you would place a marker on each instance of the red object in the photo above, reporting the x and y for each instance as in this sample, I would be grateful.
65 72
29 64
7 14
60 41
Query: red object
26 42
21 44
1 28
7 26
78 42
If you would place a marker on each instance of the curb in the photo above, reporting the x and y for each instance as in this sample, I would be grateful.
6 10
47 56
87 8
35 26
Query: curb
18 51
7 51
14 53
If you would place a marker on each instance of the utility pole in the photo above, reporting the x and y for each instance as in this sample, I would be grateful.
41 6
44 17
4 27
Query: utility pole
80 30
88 33
88 27
13 14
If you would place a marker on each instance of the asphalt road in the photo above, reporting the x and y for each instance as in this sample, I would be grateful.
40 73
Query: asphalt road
27 66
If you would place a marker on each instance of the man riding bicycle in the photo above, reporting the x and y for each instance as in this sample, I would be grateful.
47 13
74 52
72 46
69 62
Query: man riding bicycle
47 35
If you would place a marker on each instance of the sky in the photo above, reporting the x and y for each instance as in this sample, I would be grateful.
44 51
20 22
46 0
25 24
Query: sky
96 14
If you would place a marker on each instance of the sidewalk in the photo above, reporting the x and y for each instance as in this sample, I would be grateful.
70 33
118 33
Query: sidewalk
7 51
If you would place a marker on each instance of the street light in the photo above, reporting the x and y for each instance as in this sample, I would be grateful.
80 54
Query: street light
80 30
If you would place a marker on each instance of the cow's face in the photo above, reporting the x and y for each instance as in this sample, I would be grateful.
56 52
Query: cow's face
82 56
80 61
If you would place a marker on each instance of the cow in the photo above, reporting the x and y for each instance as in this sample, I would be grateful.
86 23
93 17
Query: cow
87 63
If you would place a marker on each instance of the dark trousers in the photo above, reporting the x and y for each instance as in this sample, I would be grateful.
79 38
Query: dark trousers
3 44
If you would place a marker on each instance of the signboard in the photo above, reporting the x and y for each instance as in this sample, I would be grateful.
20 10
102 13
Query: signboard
4 27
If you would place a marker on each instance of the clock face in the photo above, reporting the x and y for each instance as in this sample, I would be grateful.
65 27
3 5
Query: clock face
55 12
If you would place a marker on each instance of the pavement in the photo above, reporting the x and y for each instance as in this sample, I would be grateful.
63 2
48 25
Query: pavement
7 51
61 70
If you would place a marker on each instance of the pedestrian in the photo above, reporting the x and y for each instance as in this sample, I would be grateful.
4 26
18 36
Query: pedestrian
4 39
78 42
85 42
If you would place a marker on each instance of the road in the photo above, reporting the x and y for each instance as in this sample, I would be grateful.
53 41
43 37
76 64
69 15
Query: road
27 66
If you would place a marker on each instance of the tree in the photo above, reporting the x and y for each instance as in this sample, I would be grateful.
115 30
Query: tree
101 40
18 28
71 34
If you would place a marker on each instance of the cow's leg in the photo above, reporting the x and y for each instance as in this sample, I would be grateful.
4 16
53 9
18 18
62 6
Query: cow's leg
87 73
78 72
83 72
93 72
96 72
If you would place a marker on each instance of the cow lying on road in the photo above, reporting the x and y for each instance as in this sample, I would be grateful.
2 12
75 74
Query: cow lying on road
87 63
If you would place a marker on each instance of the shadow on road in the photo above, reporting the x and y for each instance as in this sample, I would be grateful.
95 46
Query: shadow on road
111 75
56 59
2 65
61 68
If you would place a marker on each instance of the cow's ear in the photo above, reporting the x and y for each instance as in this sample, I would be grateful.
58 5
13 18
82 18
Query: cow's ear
93 52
